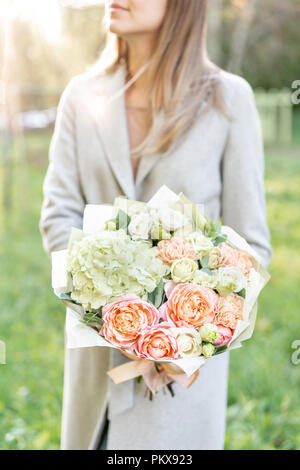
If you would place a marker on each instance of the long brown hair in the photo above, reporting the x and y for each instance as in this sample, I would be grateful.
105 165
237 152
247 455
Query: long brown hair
183 82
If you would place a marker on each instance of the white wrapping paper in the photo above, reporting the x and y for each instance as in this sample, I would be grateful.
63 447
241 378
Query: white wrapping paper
95 215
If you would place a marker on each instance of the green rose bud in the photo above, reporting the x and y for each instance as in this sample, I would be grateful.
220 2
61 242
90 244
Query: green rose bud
208 350
183 270
209 332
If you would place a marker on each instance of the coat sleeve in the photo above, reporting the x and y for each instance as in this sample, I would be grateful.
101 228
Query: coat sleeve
243 195
63 201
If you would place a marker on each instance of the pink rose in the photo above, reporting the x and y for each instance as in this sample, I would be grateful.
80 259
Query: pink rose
162 311
225 335
191 305
125 319
157 343
169 286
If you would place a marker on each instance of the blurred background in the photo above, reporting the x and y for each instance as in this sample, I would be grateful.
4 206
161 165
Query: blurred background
43 43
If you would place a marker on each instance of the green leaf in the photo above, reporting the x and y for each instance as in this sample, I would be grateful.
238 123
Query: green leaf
220 349
93 319
218 226
204 261
68 298
65 296
242 293
156 297
122 220
207 271
216 234
219 239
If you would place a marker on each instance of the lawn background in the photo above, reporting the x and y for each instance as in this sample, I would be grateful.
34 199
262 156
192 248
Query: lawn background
263 411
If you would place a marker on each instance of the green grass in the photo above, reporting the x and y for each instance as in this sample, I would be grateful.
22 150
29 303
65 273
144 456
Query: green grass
263 410
264 387
31 319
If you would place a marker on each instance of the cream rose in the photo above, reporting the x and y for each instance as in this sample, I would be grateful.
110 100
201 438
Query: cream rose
183 270
214 257
189 342
201 244
205 280
140 226
170 219
230 279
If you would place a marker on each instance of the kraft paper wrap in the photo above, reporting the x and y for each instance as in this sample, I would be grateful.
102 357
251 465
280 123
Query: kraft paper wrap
155 376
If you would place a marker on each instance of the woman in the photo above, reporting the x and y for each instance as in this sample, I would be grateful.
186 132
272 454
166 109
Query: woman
181 122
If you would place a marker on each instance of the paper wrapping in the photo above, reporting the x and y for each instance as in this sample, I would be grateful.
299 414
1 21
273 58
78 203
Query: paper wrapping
79 335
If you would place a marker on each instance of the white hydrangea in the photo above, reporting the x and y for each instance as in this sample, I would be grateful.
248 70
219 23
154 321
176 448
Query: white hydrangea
107 264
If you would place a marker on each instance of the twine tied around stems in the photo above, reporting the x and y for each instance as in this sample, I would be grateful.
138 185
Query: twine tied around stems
155 375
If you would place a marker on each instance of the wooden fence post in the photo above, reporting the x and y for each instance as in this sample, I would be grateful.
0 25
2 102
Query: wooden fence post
276 114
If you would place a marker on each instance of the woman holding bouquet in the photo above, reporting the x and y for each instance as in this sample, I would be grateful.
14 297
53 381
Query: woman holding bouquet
154 110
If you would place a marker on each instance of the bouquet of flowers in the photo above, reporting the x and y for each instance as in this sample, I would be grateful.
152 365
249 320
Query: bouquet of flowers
159 281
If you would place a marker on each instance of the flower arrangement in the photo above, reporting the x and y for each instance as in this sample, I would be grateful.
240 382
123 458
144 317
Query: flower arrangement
161 282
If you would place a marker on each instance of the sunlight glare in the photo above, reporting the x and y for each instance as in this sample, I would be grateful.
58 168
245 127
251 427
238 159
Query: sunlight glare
44 14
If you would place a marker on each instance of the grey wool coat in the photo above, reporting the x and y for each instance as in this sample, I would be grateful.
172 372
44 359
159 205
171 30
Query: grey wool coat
219 164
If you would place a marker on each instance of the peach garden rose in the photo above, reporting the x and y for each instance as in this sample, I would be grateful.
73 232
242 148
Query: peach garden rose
229 310
191 305
244 262
125 319
157 343
233 257
174 249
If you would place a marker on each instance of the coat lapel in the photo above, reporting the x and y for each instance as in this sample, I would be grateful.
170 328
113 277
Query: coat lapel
111 122
146 164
